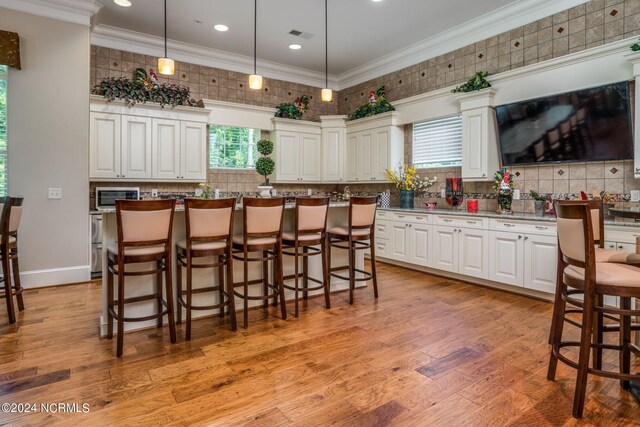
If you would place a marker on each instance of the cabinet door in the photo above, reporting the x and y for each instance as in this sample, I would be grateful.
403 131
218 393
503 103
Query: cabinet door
193 151
399 241
352 143
136 147
104 145
506 264
310 157
445 248
474 143
364 167
288 156
166 149
540 260
333 155
420 244
473 252
380 155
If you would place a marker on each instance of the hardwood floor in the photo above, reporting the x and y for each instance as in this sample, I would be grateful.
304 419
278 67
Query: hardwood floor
430 351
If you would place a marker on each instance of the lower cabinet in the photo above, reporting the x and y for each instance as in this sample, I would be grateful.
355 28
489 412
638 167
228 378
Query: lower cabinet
461 250
411 243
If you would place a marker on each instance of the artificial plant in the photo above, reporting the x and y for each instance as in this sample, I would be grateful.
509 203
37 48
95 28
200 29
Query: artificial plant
293 110
477 82
377 105
265 165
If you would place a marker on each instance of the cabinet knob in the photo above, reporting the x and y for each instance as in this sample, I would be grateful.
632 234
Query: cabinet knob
619 246
526 237
484 174
519 237
177 177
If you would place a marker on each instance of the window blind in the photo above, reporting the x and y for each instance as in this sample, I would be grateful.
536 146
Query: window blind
3 130
438 143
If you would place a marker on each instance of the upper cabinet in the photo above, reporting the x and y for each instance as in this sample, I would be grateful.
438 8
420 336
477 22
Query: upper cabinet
374 144
479 136
298 150
634 59
334 148
147 142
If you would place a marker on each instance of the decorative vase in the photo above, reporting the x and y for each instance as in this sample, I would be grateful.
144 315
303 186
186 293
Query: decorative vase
539 207
505 197
406 199
265 191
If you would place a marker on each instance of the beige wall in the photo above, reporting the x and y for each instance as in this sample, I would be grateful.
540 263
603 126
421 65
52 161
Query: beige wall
48 129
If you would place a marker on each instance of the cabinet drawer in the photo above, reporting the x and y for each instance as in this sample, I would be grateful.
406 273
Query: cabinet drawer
543 228
415 218
382 214
382 247
382 229
461 221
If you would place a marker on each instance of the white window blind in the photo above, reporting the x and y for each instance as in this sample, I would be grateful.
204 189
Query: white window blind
3 130
438 143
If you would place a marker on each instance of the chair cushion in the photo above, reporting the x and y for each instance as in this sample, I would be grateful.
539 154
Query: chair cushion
344 231
138 251
203 246
609 275
239 240
302 237
620 257
11 239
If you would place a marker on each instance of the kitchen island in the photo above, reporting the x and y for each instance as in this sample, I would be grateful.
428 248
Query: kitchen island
140 285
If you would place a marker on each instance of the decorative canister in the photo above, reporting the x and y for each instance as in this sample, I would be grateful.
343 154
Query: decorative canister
472 206
384 199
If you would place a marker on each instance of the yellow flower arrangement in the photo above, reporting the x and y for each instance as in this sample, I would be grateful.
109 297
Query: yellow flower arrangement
407 179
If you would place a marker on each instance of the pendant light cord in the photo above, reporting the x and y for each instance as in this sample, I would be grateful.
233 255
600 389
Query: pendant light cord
165 28
255 34
326 47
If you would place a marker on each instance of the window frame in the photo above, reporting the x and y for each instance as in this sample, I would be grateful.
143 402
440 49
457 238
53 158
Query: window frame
4 189
212 126
438 164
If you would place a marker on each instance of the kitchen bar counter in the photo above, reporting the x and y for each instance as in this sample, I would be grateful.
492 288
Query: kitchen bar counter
140 285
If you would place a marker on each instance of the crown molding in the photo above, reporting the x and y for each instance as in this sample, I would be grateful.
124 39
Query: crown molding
498 21
73 11
131 41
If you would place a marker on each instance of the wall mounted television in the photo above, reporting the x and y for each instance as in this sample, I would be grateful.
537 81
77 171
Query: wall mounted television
580 126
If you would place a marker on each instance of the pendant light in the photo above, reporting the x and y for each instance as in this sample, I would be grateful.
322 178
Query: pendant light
327 94
255 80
166 65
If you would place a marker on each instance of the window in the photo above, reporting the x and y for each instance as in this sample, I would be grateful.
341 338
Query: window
3 130
438 143
231 147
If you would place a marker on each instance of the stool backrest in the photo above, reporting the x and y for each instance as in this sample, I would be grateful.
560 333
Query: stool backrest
597 217
263 217
10 218
144 222
311 214
362 211
209 219
575 234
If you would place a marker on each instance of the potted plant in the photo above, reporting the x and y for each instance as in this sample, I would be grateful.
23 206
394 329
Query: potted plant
408 182
503 186
293 110
477 82
540 200
265 166
377 104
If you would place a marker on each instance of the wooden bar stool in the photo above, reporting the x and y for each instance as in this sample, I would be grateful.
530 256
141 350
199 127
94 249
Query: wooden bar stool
144 235
262 232
310 234
358 235
593 281
9 223
209 226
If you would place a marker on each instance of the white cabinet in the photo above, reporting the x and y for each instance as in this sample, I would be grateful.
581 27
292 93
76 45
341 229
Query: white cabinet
507 258
135 152
540 260
420 245
399 241
409 238
193 150
445 248
461 250
166 156
298 151
334 139
105 144
479 136
374 144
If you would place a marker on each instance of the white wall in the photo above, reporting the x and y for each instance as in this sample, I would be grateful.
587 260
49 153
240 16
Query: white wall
48 131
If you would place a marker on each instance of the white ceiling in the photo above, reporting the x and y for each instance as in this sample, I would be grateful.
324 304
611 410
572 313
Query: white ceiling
360 31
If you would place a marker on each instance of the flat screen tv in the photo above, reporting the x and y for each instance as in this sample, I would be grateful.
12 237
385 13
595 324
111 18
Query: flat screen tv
584 125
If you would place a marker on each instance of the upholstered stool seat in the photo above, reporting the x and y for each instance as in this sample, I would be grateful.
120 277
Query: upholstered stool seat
344 231
255 242
290 236
203 246
620 257
611 278
136 251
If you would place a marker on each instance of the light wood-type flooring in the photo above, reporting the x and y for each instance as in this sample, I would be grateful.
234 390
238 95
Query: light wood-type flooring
428 352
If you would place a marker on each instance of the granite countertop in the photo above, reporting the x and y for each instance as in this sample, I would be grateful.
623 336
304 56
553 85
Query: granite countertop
492 214
180 207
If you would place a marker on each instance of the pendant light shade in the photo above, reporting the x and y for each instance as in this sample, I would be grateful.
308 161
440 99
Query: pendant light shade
166 66
255 80
327 94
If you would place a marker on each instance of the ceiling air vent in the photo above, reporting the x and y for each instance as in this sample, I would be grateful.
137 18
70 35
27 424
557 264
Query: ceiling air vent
302 34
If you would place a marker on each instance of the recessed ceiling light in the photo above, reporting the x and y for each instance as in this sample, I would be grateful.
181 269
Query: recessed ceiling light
295 46
123 3
221 27
376 1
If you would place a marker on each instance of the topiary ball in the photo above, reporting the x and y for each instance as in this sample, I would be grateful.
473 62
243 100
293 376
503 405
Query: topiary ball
265 165
265 147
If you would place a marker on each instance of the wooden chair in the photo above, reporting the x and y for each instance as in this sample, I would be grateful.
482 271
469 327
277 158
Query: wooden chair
209 227
358 234
9 224
262 233
591 280
310 234
144 235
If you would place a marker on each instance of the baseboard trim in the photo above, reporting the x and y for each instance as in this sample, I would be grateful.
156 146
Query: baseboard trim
55 276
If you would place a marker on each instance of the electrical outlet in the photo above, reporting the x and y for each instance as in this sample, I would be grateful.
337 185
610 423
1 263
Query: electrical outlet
635 195
443 193
55 193
198 192
516 194
154 192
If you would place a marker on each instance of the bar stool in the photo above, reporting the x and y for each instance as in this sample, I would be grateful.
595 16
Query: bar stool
358 235
310 234
593 280
144 235
209 226
9 223
262 232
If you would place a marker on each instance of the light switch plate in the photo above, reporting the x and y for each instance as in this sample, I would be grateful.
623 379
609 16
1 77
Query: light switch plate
198 192
443 193
635 195
154 192
55 193
516 194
